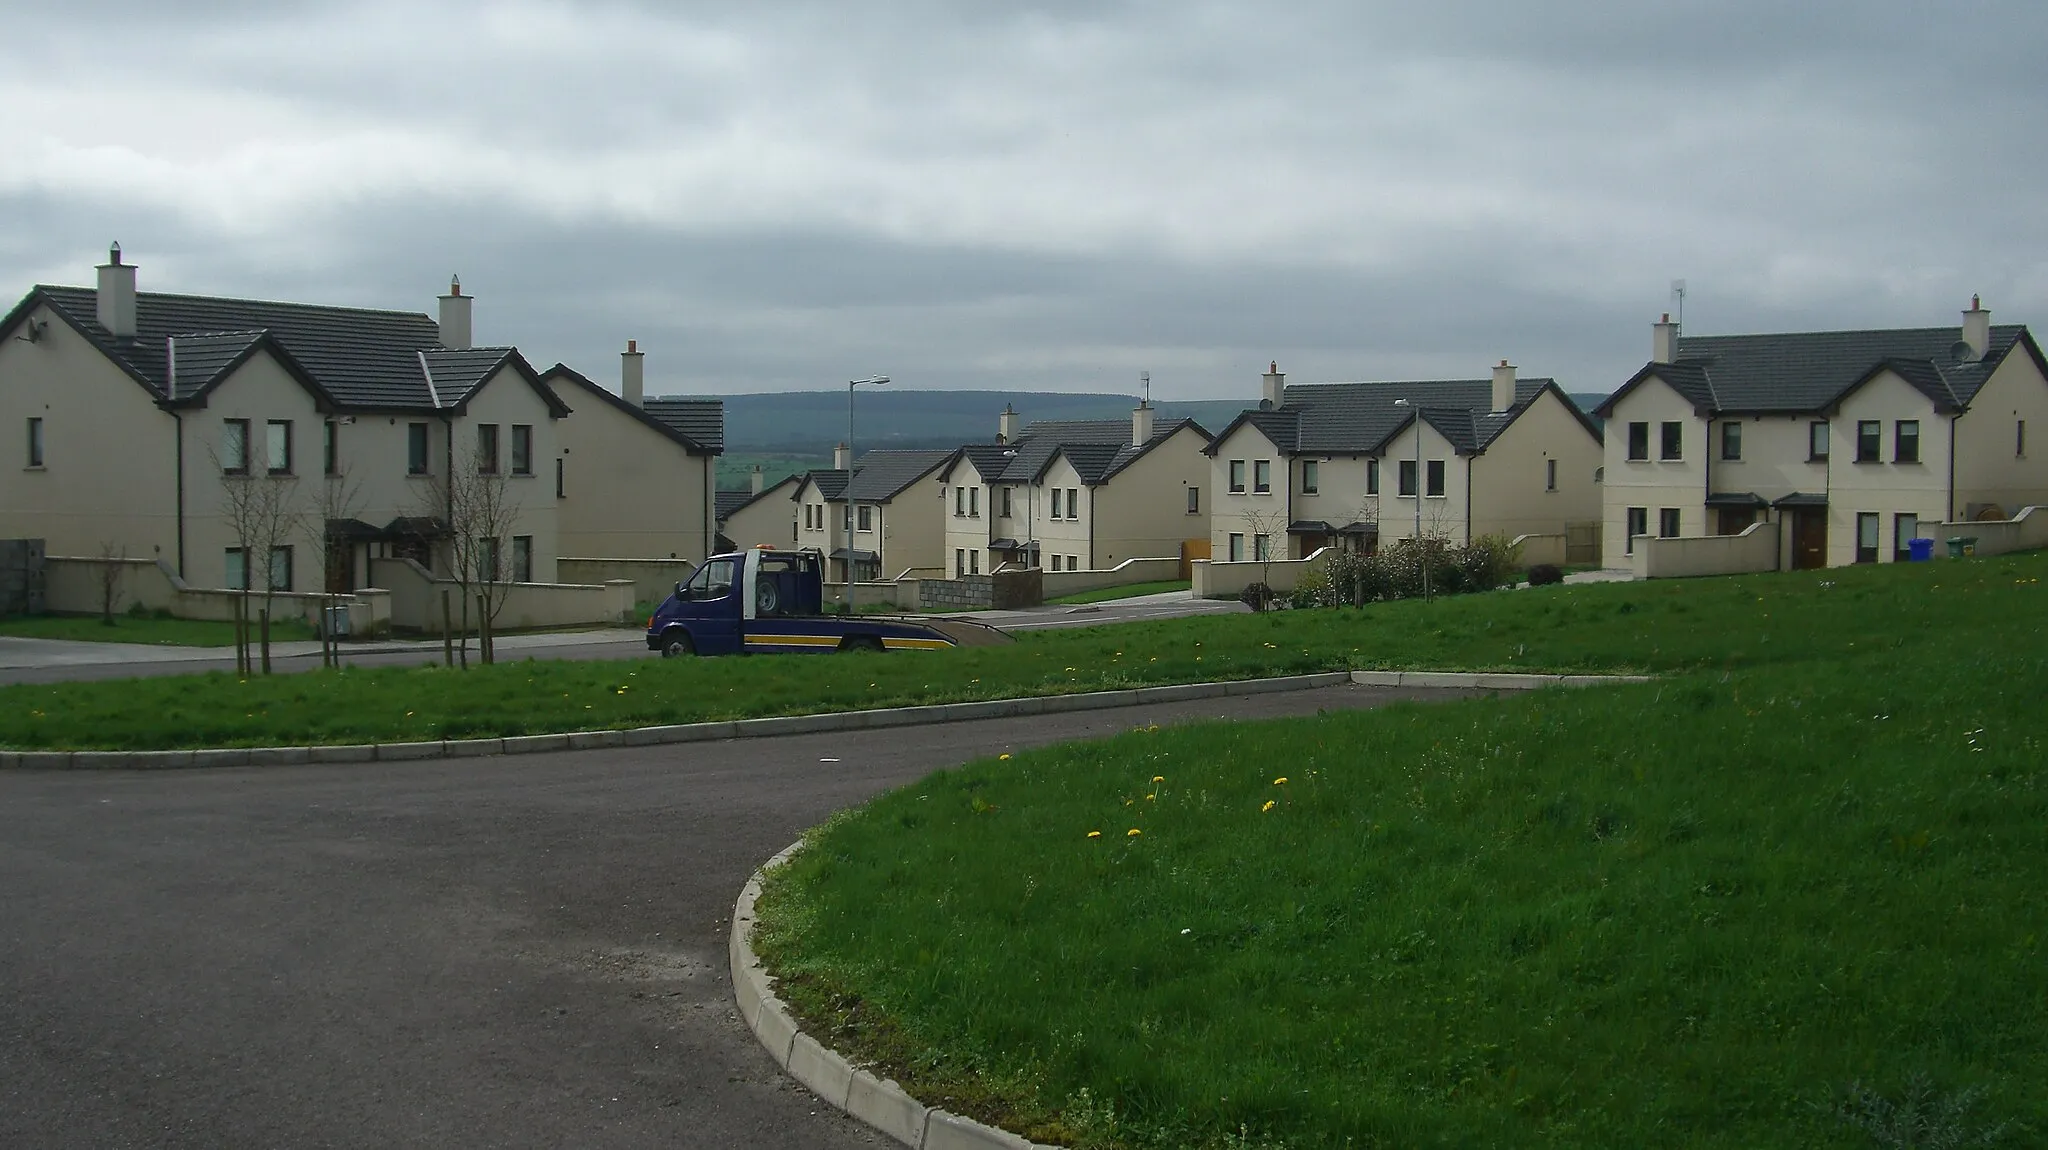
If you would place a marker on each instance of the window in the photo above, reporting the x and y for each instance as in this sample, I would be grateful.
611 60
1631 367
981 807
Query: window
1073 562
1194 500
1866 536
522 450
1407 478
959 502
1056 562
974 502
486 449
867 517
35 441
959 561
1236 551
1638 524
281 568
1262 477
1906 441
1905 529
487 567
1817 441
277 446
237 569
1550 475
1672 445
330 448
1436 478
845 518
2019 439
1869 435
1638 441
522 558
1667 522
1073 503
1006 502
1731 441
416 449
561 478
1262 547
1310 477
974 562
234 447
1372 477
1237 477
1056 503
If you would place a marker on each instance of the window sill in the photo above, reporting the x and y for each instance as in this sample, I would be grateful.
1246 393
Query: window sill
522 475
35 467
1816 459
1237 491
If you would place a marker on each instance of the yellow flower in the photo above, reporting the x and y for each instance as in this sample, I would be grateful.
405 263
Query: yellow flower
1003 756
1267 807
1094 834
1149 798
1133 833
1158 778
1281 781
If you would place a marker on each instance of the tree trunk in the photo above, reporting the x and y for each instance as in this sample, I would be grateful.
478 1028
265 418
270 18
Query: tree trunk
241 636
264 616
485 652
464 653
447 631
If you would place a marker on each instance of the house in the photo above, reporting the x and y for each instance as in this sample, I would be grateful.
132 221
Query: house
636 476
1075 495
764 514
897 528
1845 442
1336 465
164 425
823 518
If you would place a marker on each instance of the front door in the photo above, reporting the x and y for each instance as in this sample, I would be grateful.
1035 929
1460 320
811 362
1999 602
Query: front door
1809 538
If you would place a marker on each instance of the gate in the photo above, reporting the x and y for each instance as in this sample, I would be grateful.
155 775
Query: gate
1582 544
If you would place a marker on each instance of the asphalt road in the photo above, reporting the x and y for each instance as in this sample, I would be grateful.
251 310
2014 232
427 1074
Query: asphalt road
524 951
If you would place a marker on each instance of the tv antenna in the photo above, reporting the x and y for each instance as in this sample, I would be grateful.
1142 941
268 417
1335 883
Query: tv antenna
1678 297
1145 388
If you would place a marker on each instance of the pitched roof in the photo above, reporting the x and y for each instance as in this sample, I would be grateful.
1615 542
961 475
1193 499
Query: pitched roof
708 416
1098 463
882 475
1359 418
700 419
830 482
353 357
729 503
1808 371
989 460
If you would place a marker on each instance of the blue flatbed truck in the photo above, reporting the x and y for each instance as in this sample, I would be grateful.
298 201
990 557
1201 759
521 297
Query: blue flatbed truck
765 600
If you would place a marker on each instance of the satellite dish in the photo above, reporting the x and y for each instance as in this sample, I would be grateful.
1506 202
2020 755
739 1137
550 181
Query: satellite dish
1962 352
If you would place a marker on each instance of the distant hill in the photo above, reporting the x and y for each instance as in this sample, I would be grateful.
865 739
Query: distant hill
808 423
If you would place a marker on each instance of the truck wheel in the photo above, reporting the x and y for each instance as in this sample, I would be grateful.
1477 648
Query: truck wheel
862 643
766 598
677 643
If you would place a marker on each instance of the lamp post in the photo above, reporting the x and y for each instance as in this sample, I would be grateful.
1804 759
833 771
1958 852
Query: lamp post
1422 555
876 380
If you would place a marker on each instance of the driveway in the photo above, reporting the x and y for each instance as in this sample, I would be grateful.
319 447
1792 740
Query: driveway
520 951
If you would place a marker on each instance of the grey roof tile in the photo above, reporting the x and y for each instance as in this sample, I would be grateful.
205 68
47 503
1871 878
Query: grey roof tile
701 419
1359 418
882 475
194 361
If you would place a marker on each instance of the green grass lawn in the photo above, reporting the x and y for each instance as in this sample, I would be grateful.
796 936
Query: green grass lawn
149 629
1691 913
1658 626
1106 594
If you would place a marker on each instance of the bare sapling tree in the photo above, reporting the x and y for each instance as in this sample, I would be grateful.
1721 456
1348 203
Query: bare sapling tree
341 496
476 502
113 568
1263 527
264 514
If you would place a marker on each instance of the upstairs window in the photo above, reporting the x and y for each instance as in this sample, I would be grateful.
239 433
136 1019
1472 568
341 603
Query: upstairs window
1817 441
1056 504
1436 478
1372 477
1073 503
35 441
1639 441
867 518
1869 440
234 447
1262 477
959 502
416 449
1310 476
1731 441
1006 502
561 478
974 503
1906 441
1194 500
1405 477
1550 475
486 449
277 445
522 452
330 449
1672 442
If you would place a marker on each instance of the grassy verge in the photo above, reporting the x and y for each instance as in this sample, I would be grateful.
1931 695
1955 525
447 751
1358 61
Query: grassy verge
147 629
1668 626
1107 594
1685 913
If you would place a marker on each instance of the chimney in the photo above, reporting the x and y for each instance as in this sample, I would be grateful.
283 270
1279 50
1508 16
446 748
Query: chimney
1664 341
840 457
632 374
1503 386
1976 328
116 297
1141 425
1006 425
1276 385
455 330
759 480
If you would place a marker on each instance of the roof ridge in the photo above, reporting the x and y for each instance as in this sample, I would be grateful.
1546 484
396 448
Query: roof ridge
165 295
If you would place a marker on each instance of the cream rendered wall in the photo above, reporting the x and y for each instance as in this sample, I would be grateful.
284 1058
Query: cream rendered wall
912 529
1227 511
1653 484
971 533
1142 512
772 519
1340 496
1988 468
630 491
506 399
1886 487
109 453
259 391
1774 459
1443 515
1510 494
1065 537
828 537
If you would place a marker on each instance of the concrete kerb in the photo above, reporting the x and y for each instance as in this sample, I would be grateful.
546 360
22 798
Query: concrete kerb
879 1103
781 725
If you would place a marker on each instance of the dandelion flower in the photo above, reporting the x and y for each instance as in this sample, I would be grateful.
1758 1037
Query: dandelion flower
1133 833
1094 834
1149 798
1004 757
1281 781
1267 807
1158 778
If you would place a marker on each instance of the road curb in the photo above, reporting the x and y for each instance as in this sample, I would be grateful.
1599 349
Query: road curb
879 1103
779 725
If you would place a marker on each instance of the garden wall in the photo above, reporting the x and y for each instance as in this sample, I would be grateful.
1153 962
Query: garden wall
1222 579
2026 531
72 585
653 579
1533 550
416 600
1755 549
1058 584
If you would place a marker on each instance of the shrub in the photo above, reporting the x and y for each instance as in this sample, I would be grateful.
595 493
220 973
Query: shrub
1256 595
1545 574
1313 589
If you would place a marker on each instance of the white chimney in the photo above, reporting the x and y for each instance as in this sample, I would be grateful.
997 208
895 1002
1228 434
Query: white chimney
1976 328
116 296
1276 386
1503 386
632 374
1664 341
1006 425
1141 425
840 457
759 479
455 317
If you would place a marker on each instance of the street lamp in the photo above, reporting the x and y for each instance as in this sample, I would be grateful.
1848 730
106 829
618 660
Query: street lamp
876 380
1421 555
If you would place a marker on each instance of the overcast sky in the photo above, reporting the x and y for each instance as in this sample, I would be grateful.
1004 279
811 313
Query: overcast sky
776 196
